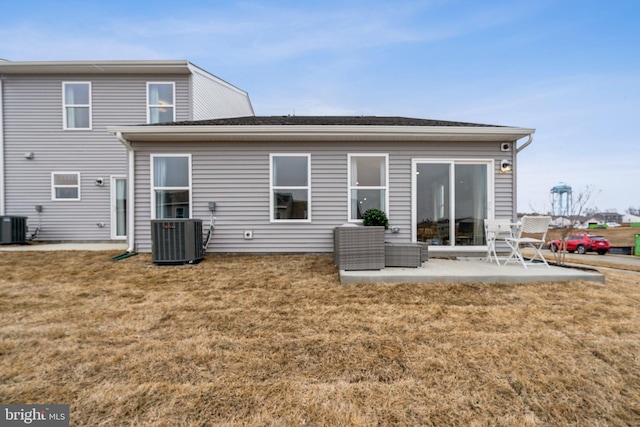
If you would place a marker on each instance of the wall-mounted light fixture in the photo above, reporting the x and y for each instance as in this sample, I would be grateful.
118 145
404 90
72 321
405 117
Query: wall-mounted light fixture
29 155
99 182
506 166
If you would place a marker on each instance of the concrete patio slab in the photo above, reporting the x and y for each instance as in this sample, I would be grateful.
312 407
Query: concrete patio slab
470 270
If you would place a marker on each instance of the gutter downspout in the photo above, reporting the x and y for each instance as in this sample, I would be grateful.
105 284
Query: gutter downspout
515 176
130 193
523 146
2 159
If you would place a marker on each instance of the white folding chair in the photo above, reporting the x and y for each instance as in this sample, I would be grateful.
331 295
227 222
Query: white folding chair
531 232
496 230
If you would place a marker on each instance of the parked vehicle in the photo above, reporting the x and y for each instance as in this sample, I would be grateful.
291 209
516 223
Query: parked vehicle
582 243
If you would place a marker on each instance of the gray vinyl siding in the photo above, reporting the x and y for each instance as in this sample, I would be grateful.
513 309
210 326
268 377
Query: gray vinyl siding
236 177
33 121
215 98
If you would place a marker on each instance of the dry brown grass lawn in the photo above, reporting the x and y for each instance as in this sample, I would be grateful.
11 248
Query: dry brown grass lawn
594 261
277 340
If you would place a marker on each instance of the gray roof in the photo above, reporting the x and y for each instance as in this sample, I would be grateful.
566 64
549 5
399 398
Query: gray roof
323 121
318 128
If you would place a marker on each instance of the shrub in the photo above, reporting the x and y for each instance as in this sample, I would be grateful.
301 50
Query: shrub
375 217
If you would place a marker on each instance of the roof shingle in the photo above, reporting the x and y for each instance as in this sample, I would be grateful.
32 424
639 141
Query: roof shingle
322 121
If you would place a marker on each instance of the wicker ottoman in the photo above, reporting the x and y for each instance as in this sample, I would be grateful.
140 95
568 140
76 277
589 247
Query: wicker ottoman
402 255
424 251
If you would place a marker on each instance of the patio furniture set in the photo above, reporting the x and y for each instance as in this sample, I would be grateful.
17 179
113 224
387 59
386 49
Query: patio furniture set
364 248
530 232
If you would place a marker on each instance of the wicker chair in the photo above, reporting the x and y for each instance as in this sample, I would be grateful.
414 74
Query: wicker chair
404 254
358 247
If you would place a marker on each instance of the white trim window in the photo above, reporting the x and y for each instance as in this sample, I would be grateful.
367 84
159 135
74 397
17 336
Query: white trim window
76 100
65 186
170 186
368 176
161 102
290 187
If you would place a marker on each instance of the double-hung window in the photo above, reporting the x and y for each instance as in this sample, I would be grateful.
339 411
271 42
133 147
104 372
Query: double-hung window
77 105
290 187
65 186
171 186
368 184
161 102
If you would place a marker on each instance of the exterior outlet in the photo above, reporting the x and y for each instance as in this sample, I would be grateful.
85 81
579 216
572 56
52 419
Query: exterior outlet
248 235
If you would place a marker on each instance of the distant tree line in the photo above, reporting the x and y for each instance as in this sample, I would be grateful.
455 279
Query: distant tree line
633 211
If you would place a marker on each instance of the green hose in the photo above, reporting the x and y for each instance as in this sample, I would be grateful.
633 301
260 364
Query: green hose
123 256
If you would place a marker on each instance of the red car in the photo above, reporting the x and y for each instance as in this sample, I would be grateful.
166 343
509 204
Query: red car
583 243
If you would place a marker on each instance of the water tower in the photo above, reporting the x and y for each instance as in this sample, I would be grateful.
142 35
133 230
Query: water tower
561 200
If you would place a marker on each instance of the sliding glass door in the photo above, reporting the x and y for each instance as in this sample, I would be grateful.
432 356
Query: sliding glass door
451 201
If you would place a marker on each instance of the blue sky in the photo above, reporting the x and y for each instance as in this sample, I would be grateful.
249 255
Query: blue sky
568 68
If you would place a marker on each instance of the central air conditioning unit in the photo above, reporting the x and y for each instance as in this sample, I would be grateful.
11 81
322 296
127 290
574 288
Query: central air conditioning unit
176 241
13 230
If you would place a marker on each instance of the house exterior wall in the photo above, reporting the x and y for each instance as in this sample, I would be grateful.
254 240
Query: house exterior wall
33 122
215 98
236 177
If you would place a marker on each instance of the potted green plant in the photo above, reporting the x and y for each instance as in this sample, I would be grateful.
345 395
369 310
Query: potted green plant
375 217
